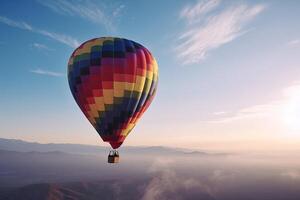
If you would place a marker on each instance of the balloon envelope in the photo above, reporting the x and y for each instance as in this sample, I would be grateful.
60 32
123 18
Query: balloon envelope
113 81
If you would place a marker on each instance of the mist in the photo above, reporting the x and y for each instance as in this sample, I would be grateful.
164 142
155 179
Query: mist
148 174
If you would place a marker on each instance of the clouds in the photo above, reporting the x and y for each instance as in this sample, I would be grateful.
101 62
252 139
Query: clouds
41 46
294 42
220 113
167 184
16 24
118 10
85 9
207 32
192 13
286 110
62 38
46 72
256 111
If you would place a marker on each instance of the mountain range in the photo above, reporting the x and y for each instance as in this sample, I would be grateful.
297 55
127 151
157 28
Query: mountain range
24 146
35 171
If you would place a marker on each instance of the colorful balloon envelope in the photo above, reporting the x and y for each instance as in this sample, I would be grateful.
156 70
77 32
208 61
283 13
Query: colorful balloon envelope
113 80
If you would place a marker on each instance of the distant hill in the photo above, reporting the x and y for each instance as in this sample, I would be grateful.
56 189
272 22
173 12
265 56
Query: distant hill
24 163
26 168
23 146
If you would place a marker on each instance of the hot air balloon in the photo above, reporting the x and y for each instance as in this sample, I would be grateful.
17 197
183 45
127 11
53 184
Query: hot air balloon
113 80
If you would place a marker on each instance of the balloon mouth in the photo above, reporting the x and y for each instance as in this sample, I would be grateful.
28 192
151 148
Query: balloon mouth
115 145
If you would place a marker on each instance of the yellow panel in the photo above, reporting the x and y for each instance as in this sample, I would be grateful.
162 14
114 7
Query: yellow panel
124 85
118 92
85 49
129 86
119 85
149 75
119 89
155 70
99 101
126 131
108 95
147 87
98 41
139 84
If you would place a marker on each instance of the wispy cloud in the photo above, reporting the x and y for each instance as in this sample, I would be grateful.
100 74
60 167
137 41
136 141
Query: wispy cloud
257 111
41 46
62 38
294 42
85 9
118 10
287 109
16 24
220 113
213 30
46 72
192 13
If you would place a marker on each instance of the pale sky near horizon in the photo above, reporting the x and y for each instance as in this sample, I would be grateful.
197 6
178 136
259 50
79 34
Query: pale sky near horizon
229 70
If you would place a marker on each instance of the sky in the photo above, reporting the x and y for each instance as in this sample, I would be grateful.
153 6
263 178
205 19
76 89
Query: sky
229 71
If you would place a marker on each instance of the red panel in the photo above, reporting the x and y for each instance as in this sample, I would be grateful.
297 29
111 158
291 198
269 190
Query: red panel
148 60
108 85
131 63
95 82
107 73
90 100
97 93
119 77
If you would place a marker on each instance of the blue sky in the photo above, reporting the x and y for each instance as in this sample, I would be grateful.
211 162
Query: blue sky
229 70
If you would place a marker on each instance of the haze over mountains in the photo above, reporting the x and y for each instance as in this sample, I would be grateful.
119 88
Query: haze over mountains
66 171
23 146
